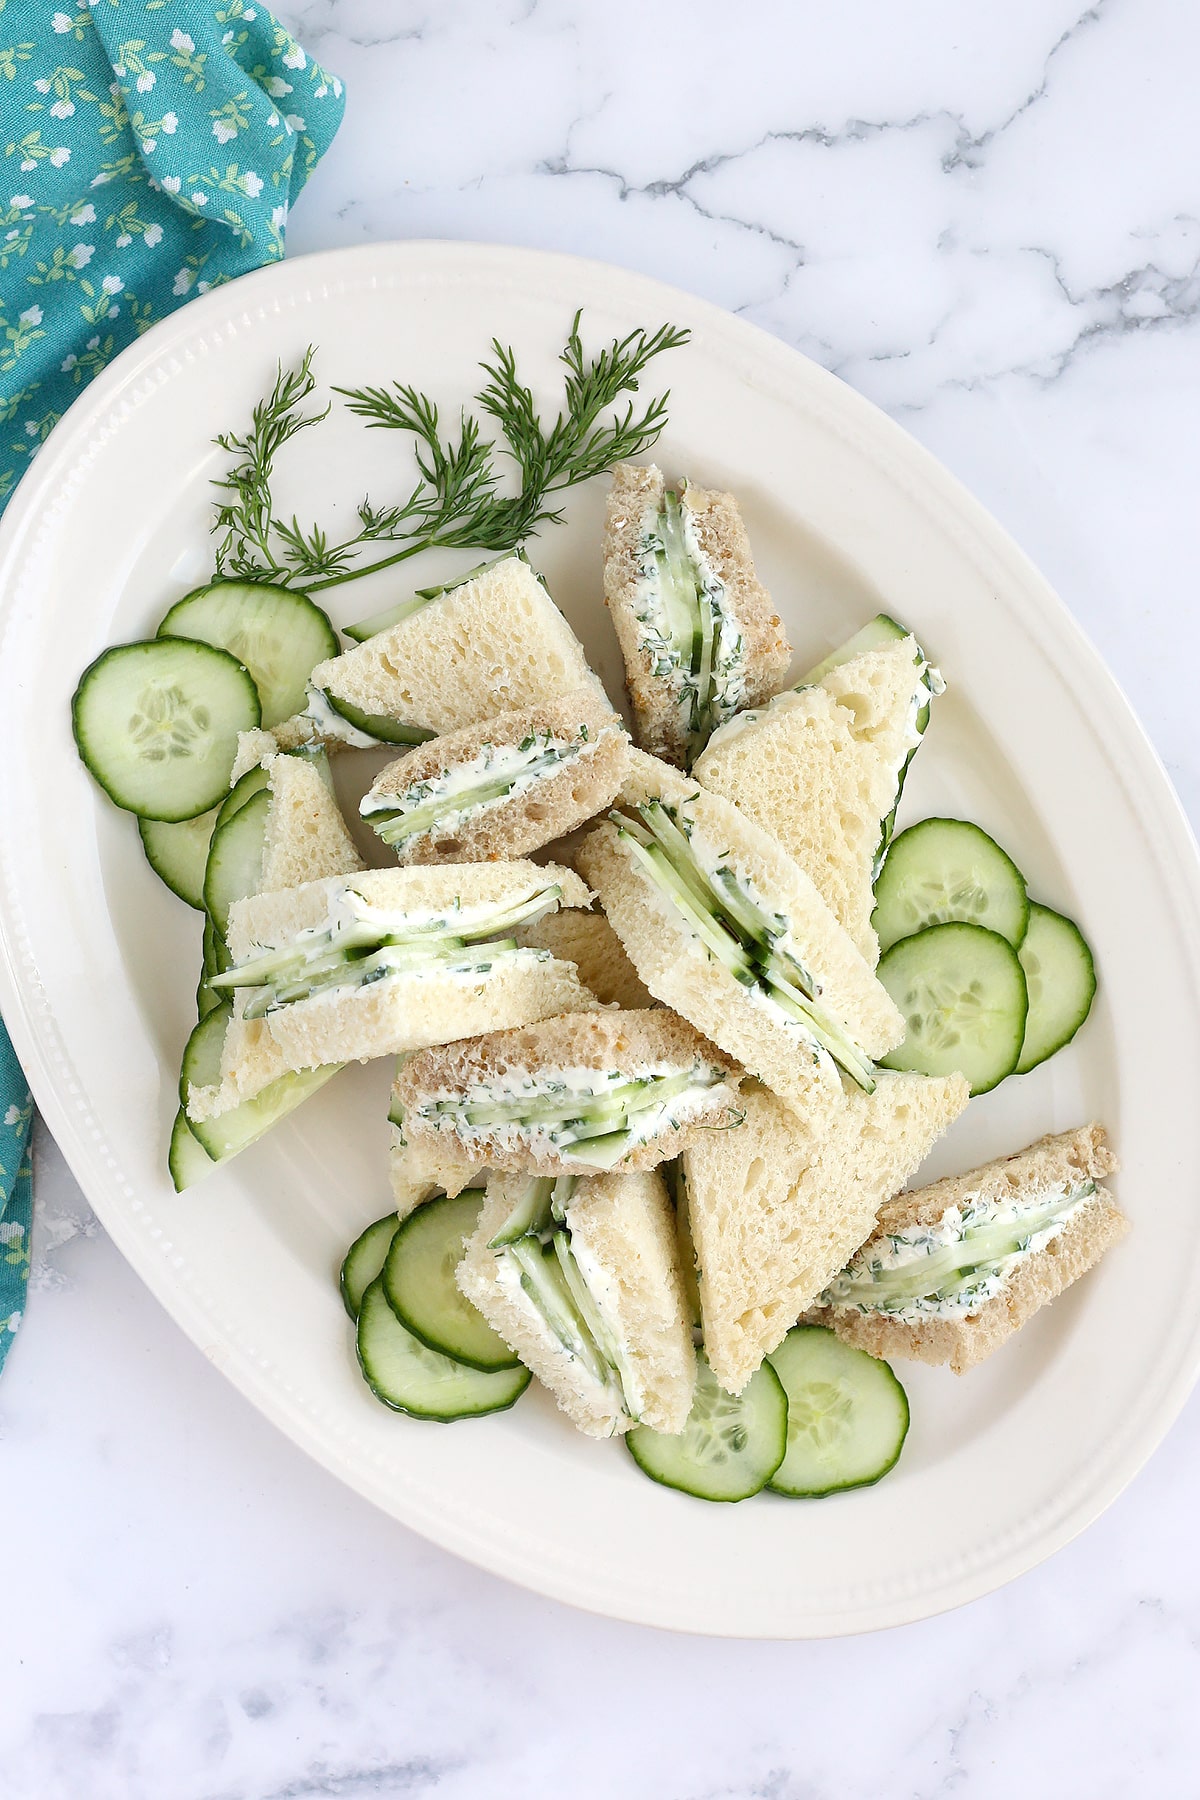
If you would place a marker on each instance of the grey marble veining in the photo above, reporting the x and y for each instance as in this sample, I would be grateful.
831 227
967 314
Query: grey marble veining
989 222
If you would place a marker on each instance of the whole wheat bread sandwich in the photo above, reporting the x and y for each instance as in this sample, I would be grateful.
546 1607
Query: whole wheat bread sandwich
580 1277
723 926
573 1095
822 765
502 788
697 629
360 966
772 1219
490 644
286 829
954 1270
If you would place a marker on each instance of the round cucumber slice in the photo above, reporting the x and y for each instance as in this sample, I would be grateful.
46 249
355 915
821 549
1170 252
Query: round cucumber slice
279 635
418 1279
1061 978
235 858
948 869
411 1378
364 1261
731 1445
178 853
847 1415
962 991
157 724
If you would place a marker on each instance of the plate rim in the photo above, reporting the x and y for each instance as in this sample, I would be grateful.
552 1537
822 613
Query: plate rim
68 1121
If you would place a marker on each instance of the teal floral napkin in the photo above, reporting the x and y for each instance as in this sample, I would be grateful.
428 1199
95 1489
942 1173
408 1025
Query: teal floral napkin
152 148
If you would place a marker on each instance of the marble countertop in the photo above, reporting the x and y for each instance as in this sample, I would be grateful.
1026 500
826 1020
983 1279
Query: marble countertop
988 221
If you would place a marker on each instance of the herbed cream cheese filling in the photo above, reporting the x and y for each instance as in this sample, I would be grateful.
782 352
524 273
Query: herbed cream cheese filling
952 1268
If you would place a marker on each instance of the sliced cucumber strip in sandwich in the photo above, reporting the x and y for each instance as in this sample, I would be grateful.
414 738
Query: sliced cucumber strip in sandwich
847 1415
877 634
178 853
364 1261
731 1445
944 870
379 726
235 858
411 1378
962 991
187 1159
418 1279
157 725
241 793
243 1125
280 637
1061 978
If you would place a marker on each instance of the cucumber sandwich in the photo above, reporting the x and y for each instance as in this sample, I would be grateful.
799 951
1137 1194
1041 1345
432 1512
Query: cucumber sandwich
502 788
579 1275
449 658
953 1270
698 632
773 1213
586 1092
721 924
359 966
278 825
821 766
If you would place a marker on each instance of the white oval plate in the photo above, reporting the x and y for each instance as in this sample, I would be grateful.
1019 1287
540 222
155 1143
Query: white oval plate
847 515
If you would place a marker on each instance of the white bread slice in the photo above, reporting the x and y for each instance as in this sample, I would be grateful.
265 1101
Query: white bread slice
604 1041
564 797
418 1171
774 1219
623 1233
306 837
589 941
1057 1161
679 971
633 503
819 768
402 1012
253 748
492 644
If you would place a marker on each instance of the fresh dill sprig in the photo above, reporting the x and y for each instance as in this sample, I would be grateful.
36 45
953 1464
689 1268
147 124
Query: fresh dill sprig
455 504
246 518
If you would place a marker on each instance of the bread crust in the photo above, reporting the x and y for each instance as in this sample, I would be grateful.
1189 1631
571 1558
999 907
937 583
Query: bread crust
556 804
964 1342
721 532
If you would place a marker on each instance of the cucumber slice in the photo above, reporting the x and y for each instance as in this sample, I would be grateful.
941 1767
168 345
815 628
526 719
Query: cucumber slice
876 634
235 859
187 1159
943 870
729 1448
1061 978
178 853
847 1415
364 1261
232 1131
418 1279
410 1378
962 991
280 636
243 790
378 725
157 724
